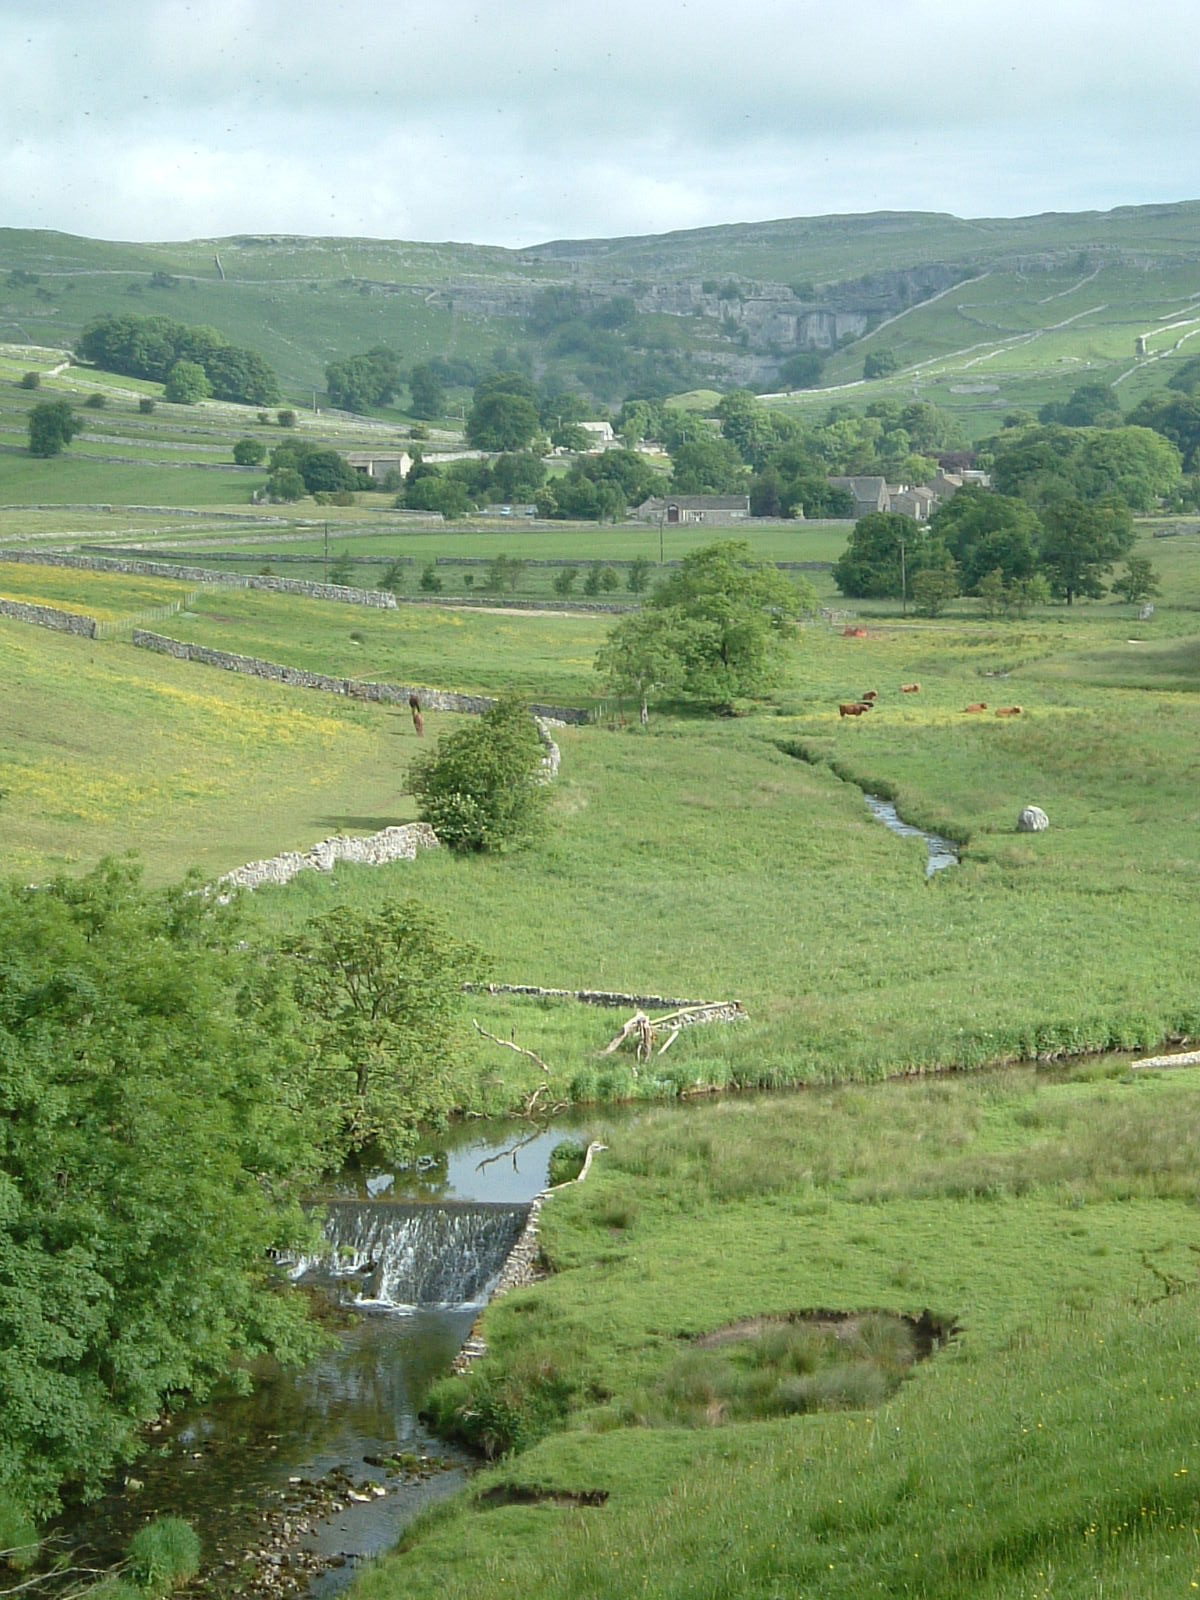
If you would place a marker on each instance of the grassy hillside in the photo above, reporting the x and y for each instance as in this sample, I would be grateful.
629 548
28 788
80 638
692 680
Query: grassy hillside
1026 305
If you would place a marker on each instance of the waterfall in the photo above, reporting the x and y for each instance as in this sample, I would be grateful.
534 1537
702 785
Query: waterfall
417 1255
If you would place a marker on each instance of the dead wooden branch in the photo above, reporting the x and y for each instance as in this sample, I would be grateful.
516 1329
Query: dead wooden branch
508 1044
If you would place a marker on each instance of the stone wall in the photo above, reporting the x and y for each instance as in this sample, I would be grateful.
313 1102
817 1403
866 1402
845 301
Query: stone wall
383 599
399 843
352 688
49 617
698 1011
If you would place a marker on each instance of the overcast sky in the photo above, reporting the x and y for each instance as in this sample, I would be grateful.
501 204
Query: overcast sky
500 123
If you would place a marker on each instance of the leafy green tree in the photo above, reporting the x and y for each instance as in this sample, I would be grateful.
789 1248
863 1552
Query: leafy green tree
31 380
249 452
382 995
643 656
430 580
564 581
638 577
708 466
517 476
1022 594
933 588
285 484
52 424
341 569
156 1133
1091 405
885 552
427 391
504 413
747 425
1081 543
1138 582
726 619
880 364
435 492
504 572
286 418
482 788
187 384
393 576
987 532
363 382
991 590
802 371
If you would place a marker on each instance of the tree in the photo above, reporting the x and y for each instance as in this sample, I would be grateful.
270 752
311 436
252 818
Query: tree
638 576
723 619
156 1134
504 572
504 413
1090 405
708 465
802 371
249 452
482 788
342 569
187 384
564 581
362 382
430 580
393 576
1138 582
932 587
1081 544
643 656
31 380
986 532
285 484
885 551
427 391
382 995
52 424
880 363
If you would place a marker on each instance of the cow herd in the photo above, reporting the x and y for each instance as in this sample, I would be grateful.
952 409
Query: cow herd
865 702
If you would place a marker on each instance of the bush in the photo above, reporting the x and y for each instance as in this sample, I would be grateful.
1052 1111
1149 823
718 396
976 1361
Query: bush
146 405
286 484
31 380
96 402
482 788
52 424
187 383
249 452
18 1537
431 582
286 419
164 1555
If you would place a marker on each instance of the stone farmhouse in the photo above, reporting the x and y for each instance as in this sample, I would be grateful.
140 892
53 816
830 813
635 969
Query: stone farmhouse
377 464
683 509
918 501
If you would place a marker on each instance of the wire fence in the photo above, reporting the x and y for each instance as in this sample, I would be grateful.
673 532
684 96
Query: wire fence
115 627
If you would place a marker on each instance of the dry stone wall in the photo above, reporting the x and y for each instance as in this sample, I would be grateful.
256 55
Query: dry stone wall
49 617
399 843
381 599
352 688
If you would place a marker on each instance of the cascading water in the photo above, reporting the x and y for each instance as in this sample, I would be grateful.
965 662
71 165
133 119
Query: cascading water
405 1256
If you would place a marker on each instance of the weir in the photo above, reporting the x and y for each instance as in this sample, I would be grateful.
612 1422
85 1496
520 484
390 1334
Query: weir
400 1256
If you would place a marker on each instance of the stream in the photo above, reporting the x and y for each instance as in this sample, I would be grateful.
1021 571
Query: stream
942 853
322 1467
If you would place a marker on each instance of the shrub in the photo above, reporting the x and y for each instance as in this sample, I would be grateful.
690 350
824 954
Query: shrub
52 424
249 452
286 419
146 405
482 788
285 484
431 582
31 380
187 383
96 401
18 1537
164 1555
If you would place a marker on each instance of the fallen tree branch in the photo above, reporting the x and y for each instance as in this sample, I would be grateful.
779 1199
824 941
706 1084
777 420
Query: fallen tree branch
509 1044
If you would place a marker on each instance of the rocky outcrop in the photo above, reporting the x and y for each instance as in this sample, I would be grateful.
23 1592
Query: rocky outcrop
1033 820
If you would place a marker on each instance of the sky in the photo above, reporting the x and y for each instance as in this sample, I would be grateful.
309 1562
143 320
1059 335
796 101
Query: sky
497 123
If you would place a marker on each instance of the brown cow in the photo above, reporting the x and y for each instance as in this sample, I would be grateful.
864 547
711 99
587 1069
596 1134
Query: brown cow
980 705
910 688
414 705
870 697
855 710
1008 711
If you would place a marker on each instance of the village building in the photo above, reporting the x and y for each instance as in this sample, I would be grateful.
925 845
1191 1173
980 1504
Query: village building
869 494
691 508
378 463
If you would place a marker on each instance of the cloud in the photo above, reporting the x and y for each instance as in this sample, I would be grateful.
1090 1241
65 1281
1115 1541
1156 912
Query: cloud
177 118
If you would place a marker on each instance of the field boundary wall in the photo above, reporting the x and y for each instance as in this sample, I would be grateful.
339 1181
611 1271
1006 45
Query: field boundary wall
351 688
381 599
49 617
